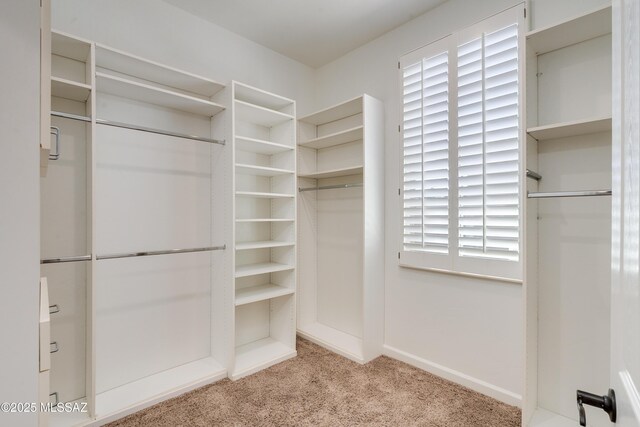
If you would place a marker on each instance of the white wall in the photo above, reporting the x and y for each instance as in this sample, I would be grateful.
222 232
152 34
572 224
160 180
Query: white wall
158 31
469 330
19 209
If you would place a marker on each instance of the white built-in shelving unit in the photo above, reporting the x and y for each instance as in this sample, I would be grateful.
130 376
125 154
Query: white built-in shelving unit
264 231
66 224
128 332
568 241
340 223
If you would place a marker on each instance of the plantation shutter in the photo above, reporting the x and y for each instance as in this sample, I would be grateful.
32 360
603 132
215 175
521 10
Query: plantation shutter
461 151
426 154
488 146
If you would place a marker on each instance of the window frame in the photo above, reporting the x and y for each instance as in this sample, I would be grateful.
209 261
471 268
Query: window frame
452 262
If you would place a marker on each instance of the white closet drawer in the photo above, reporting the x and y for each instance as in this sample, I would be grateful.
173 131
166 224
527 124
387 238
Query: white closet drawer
45 326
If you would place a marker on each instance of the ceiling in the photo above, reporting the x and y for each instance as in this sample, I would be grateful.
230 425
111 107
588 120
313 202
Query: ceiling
314 32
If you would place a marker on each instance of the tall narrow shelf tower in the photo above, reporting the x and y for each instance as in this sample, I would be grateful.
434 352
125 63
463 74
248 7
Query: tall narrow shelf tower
568 239
340 223
264 232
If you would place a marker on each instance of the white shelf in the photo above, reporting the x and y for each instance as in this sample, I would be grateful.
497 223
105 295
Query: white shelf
243 220
67 419
261 268
264 244
338 138
260 170
259 115
260 97
261 293
566 129
68 89
544 418
70 47
575 30
259 355
337 341
130 89
337 112
333 173
260 146
131 65
261 195
161 386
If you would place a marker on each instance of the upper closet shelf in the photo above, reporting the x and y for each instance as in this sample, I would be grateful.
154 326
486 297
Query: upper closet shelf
337 112
70 47
264 99
575 30
135 90
260 146
331 140
75 91
566 129
261 195
256 114
260 170
333 173
131 65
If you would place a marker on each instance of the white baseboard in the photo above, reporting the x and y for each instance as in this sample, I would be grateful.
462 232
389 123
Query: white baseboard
474 384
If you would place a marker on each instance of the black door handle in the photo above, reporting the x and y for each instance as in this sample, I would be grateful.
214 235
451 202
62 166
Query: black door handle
607 403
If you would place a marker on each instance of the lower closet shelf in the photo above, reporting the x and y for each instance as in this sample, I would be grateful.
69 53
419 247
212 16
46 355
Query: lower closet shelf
72 418
260 293
544 418
147 391
261 268
333 339
258 355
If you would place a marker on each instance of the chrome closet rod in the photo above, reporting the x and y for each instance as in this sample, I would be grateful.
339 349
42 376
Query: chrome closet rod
330 187
589 193
65 259
167 252
159 132
70 116
533 175
136 127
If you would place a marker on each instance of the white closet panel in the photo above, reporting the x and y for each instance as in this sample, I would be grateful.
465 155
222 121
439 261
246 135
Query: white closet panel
566 73
153 192
152 314
339 246
340 219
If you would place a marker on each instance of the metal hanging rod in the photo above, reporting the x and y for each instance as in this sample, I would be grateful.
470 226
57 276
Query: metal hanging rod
159 132
65 259
71 116
331 187
136 127
167 252
590 193
533 175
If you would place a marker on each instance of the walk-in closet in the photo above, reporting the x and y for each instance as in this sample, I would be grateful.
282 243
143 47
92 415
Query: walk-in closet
258 213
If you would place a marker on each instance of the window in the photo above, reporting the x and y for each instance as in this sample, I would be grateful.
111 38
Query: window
461 158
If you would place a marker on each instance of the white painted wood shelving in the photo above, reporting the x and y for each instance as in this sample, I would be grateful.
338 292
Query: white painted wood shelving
264 232
340 237
567 240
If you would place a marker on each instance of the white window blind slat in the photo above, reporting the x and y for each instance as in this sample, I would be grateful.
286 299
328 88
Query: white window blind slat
462 95
488 146
426 155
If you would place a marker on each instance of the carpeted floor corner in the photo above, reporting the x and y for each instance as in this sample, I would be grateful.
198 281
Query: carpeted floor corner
320 388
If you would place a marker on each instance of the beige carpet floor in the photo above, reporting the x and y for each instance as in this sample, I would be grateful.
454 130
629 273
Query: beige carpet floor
320 388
